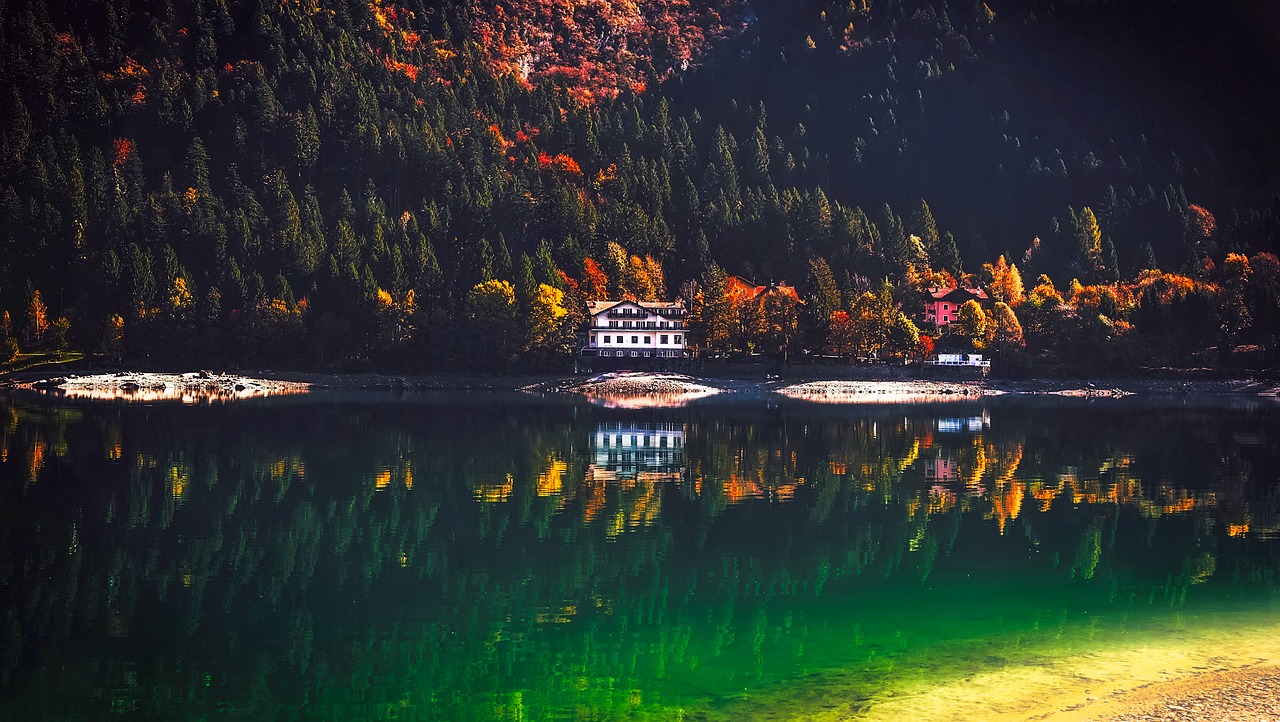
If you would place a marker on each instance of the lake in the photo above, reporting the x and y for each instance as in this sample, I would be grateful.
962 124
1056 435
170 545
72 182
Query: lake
496 556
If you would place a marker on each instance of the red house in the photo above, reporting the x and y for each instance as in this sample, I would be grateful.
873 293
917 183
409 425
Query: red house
942 307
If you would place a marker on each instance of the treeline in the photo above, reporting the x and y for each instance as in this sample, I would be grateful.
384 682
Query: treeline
282 183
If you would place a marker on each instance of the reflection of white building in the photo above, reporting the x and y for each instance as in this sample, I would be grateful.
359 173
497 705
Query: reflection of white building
956 424
630 450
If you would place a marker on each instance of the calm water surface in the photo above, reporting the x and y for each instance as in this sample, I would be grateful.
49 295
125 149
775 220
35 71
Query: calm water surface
487 557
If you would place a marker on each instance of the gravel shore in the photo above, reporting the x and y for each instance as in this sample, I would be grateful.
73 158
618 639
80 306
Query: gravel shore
1246 693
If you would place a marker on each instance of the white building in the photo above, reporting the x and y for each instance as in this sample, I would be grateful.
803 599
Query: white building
637 329
972 360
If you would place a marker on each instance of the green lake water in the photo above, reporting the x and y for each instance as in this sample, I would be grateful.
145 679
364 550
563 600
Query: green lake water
498 557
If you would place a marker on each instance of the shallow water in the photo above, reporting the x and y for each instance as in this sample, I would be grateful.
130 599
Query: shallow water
478 556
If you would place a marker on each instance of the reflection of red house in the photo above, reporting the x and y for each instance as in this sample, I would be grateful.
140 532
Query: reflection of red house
740 290
942 307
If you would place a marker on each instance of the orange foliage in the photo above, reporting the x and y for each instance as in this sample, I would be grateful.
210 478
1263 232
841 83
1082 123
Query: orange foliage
131 70
1166 288
396 66
1201 221
595 284
605 175
560 162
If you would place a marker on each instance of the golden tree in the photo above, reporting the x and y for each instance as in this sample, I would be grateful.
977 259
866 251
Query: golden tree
37 318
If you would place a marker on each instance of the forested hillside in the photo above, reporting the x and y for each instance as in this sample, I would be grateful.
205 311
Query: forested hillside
441 182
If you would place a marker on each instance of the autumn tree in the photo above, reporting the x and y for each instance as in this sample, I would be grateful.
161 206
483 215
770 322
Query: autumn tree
113 338
841 334
37 318
879 325
491 313
1043 311
1008 331
1089 252
595 284
779 316
971 322
547 331
1003 281
716 315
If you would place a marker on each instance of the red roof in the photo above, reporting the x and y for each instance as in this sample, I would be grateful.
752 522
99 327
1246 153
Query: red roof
957 295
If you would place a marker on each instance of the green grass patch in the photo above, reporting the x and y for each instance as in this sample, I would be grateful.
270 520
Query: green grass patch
29 361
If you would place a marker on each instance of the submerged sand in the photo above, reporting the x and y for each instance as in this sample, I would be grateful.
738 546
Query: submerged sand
1180 667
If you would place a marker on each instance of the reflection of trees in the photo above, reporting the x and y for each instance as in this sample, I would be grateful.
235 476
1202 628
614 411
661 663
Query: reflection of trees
470 564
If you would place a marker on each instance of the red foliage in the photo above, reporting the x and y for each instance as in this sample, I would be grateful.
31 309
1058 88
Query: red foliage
560 162
123 151
598 47
595 284
926 346
570 285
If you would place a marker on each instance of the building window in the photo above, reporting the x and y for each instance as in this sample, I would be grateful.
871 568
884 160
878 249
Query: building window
606 339
675 339
634 354
648 339
646 354
635 339
663 339
613 324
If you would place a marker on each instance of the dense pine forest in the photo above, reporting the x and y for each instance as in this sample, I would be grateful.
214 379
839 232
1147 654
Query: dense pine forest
436 184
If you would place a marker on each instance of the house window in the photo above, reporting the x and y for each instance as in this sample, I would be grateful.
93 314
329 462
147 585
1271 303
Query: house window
593 338
613 324
635 339
626 324
675 339
635 354
606 339
662 339
648 339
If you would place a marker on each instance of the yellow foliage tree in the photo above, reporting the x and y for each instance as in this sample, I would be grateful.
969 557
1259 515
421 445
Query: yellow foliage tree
547 314
37 318
1004 281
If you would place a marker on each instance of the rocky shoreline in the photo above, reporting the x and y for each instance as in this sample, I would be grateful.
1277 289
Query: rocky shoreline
1244 693
628 389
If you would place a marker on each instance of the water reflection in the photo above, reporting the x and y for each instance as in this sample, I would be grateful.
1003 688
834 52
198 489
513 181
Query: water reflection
440 560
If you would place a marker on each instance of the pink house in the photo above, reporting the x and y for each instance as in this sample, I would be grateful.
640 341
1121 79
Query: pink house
942 306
